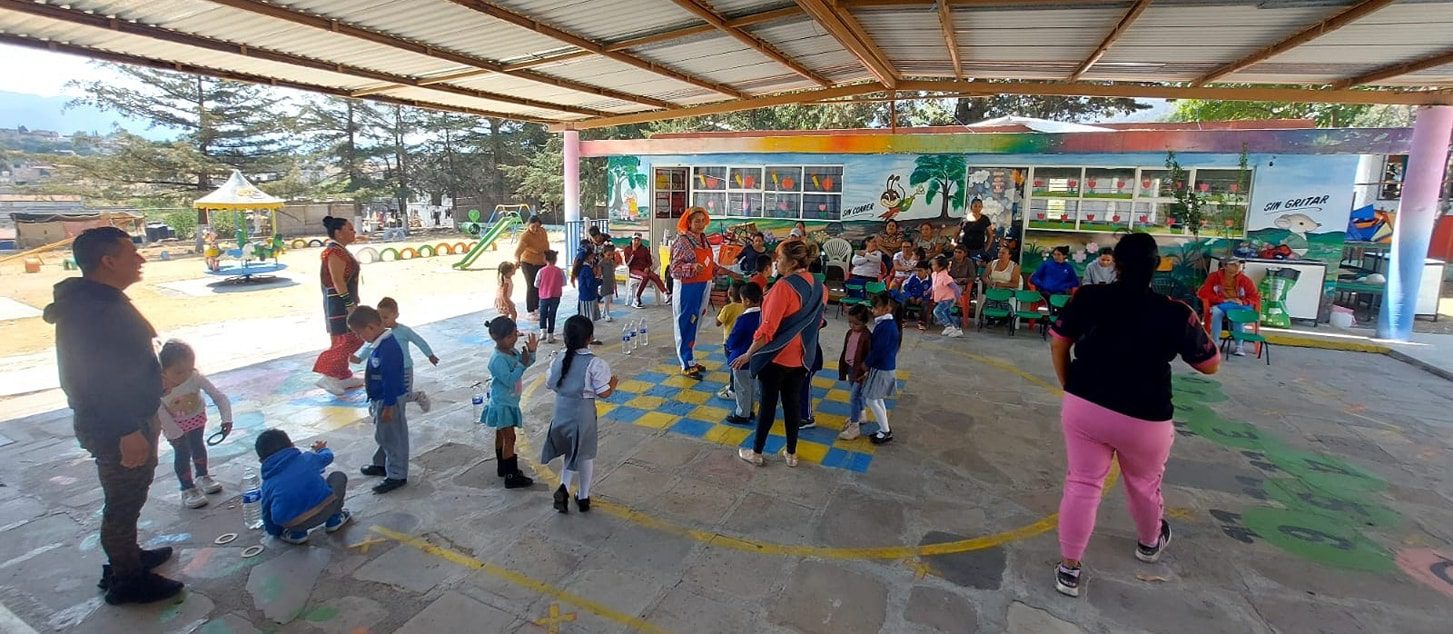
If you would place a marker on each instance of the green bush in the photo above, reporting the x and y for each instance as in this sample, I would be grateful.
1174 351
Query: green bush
183 222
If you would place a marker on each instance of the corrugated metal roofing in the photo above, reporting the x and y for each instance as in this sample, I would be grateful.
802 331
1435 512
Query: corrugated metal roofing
1173 40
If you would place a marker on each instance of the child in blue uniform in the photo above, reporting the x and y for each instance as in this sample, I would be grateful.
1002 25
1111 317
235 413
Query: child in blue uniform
383 377
882 379
506 367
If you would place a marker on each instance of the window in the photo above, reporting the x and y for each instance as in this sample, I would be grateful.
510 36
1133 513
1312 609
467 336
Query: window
1111 199
771 191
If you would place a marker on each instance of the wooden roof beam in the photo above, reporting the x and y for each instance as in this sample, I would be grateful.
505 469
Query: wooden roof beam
74 16
946 22
1396 70
1115 34
981 88
528 23
137 60
697 8
840 23
319 22
1342 18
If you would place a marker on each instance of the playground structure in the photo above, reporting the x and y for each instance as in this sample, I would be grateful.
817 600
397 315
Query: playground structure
255 216
504 218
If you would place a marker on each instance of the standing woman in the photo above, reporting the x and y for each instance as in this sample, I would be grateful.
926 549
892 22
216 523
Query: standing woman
340 296
1122 333
693 267
530 256
785 346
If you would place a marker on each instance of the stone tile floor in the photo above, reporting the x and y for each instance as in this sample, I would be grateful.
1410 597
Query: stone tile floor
1312 496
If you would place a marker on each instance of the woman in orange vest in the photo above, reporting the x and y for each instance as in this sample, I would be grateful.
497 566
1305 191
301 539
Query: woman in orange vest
693 267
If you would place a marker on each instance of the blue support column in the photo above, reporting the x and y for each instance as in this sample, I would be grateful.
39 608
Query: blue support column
1413 228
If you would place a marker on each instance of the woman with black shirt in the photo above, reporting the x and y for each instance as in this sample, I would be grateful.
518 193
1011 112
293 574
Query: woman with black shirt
1117 401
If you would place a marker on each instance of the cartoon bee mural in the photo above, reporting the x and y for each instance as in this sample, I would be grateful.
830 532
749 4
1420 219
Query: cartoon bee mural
895 200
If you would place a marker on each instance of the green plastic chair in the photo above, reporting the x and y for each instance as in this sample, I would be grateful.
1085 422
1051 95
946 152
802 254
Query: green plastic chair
1249 318
874 288
1024 301
998 304
851 288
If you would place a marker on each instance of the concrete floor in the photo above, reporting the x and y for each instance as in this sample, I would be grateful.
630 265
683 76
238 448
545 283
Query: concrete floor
1311 496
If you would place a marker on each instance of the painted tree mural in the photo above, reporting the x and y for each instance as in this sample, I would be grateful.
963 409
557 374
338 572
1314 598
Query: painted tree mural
944 174
624 177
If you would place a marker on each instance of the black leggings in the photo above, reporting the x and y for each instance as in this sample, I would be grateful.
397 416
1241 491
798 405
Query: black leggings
779 381
532 294
189 451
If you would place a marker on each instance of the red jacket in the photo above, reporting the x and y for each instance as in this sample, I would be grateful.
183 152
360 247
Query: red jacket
1210 292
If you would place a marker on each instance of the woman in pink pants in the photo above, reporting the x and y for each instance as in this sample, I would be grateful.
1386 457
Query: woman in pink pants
1117 402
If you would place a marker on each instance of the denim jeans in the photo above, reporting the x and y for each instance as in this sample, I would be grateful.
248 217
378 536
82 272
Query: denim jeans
943 313
1218 313
856 403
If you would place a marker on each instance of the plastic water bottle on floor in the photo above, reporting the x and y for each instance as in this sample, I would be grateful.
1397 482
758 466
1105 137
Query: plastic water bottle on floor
477 401
626 338
641 332
635 334
251 500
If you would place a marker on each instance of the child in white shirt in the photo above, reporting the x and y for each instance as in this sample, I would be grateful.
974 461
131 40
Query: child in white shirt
183 417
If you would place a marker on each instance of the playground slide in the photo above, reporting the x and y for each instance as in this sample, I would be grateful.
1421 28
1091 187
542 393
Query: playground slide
488 238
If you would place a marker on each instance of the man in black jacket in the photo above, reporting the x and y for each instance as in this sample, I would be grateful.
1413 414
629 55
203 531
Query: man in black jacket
112 379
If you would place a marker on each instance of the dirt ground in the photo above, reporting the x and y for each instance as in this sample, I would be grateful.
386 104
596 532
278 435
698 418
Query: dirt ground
424 288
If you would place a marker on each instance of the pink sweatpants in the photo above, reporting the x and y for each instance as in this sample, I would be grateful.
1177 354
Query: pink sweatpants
1093 436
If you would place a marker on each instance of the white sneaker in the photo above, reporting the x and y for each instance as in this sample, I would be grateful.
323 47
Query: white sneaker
850 432
193 499
956 333
1240 351
532 316
637 304
726 394
608 318
422 398
332 386
751 456
352 383
668 299
550 338
208 485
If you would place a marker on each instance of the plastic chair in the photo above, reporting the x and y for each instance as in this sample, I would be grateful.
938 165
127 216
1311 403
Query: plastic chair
857 292
838 252
998 304
1245 316
1026 310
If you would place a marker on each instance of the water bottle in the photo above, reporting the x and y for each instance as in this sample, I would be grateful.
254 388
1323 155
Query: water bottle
635 333
477 401
644 341
251 500
626 339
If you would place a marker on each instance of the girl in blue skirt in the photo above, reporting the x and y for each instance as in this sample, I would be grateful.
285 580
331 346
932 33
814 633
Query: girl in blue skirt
506 369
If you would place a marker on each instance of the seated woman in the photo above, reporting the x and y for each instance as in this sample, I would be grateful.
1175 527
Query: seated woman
1102 270
867 264
904 261
1056 276
931 240
1003 272
1227 288
961 267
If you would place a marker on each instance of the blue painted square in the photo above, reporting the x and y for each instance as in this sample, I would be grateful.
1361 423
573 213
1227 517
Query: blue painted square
650 377
678 408
625 414
836 458
833 407
693 428
818 435
859 462
774 444
663 391
709 386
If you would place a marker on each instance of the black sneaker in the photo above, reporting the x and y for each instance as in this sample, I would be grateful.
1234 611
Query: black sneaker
144 588
740 420
1151 554
807 424
562 499
517 480
1067 580
389 484
373 470
881 438
583 504
150 558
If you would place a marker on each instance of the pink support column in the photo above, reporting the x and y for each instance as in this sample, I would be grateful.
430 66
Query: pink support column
1413 228
572 175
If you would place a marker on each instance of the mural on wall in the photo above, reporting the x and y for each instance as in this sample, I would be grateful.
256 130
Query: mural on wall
894 200
1299 207
627 188
944 175
1001 189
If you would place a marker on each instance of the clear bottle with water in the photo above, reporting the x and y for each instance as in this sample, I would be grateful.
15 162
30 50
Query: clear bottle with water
635 334
641 332
477 401
251 500
626 338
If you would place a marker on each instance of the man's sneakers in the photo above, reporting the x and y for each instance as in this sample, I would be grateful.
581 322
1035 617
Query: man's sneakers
422 398
294 537
337 521
150 558
881 438
850 431
637 304
193 499
389 484
146 587
373 470
1151 554
726 393
1067 580
807 423
208 485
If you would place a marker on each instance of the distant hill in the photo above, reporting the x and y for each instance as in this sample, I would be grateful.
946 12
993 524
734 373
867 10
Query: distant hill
49 113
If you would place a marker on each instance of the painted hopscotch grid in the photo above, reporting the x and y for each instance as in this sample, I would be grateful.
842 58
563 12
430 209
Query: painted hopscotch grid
664 399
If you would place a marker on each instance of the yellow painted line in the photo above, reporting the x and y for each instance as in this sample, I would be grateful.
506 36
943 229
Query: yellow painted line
1342 345
535 585
1039 527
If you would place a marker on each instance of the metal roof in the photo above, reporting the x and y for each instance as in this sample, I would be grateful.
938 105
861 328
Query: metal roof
586 63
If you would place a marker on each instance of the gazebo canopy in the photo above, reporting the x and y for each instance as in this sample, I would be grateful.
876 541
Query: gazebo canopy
238 194
593 63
